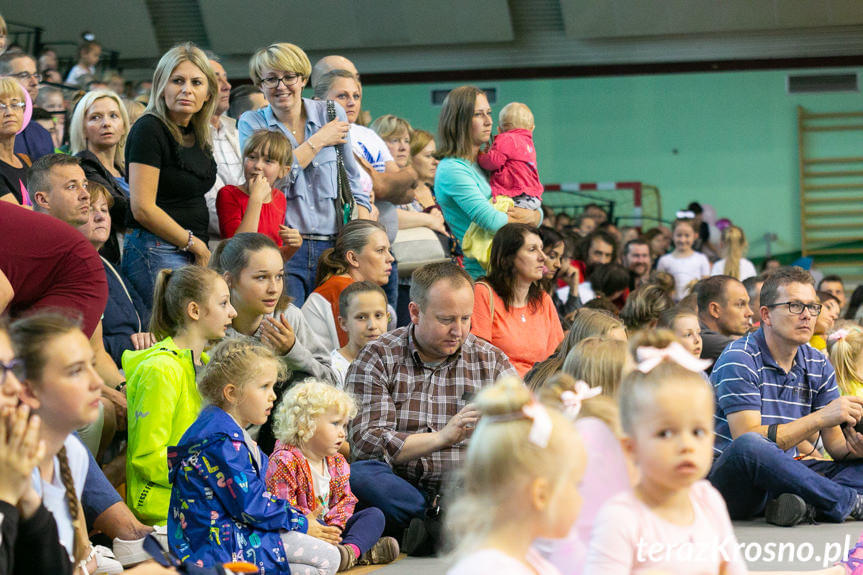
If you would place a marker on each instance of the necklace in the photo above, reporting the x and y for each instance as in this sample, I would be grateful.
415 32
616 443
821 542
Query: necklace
523 319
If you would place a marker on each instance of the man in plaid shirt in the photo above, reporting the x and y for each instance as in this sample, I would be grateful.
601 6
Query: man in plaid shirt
414 386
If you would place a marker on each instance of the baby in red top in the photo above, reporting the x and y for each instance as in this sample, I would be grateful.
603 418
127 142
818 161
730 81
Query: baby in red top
512 158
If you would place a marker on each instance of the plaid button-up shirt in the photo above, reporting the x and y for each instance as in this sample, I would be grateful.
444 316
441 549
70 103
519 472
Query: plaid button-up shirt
399 396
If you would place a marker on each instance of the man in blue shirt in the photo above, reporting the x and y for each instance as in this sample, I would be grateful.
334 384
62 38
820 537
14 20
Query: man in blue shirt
776 396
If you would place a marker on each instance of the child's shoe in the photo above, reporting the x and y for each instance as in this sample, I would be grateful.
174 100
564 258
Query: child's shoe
386 550
347 559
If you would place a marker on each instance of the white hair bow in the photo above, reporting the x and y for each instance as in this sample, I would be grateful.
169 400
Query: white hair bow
572 399
540 430
685 215
650 357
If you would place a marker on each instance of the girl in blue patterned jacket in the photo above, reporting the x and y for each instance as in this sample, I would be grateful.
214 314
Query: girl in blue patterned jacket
221 510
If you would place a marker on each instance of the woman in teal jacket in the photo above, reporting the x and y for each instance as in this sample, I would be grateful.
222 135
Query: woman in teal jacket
191 308
461 187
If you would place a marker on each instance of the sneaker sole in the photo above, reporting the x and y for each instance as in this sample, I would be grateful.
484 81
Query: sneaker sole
415 536
787 510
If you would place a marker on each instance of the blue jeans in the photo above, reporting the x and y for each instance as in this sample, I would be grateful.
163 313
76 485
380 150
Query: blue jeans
364 528
376 485
144 255
753 469
300 270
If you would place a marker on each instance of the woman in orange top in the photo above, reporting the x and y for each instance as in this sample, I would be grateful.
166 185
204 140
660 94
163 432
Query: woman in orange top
511 310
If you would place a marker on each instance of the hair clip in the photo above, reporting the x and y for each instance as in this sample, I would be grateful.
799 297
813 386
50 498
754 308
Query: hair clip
685 215
838 334
650 357
540 431
572 399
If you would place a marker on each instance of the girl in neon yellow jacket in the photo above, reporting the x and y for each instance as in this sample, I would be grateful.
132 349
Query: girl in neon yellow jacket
191 308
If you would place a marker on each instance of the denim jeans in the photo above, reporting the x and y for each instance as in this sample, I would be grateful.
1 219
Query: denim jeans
376 485
144 255
753 469
300 270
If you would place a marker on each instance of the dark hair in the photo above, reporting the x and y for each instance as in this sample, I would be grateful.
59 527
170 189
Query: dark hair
599 234
783 277
231 256
87 46
550 237
830 278
635 242
240 99
501 277
426 276
695 208
353 238
602 303
454 124
38 179
609 279
751 282
354 289
767 260
826 296
711 290
854 302
173 291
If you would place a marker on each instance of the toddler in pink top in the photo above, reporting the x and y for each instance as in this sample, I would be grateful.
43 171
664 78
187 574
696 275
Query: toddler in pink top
512 159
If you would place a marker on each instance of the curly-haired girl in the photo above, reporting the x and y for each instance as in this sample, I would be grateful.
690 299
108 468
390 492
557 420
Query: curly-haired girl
309 471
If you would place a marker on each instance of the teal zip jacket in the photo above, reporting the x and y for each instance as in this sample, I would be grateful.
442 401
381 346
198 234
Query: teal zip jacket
163 402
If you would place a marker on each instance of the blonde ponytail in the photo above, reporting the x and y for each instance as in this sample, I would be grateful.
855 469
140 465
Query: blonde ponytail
735 248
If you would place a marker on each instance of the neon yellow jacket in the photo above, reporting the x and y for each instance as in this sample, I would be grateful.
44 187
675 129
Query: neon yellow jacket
163 402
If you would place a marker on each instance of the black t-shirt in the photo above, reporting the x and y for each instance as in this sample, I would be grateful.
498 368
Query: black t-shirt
11 179
185 174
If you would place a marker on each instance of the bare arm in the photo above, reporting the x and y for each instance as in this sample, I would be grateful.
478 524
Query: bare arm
7 292
411 219
524 216
841 410
143 186
395 185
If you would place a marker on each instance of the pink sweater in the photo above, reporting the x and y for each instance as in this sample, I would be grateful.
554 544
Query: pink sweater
512 161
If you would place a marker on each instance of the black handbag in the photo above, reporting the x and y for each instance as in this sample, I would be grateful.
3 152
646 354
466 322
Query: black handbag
345 204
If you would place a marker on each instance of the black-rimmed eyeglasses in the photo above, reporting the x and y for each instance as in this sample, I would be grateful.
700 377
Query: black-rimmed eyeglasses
272 82
796 307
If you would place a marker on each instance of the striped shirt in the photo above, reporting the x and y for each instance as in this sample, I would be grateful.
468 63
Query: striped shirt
747 378
399 395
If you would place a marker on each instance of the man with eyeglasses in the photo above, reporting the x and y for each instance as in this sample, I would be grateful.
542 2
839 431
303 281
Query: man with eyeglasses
776 396
35 141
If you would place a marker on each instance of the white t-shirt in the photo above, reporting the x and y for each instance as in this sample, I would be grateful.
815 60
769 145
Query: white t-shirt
54 494
339 365
321 483
499 563
747 269
369 146
684 270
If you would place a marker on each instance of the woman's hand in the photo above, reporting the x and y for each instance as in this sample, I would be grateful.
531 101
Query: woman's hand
278 334
523 216
143 340
436 221
290 237
259 189
332 134
20 451
201 252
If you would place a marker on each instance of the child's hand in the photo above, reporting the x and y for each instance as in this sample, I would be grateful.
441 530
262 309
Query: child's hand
259 189
290 237
20 451
331 535
278 334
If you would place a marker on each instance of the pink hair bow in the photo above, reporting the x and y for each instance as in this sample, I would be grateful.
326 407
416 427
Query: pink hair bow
540 431
838 334
572 399
650 357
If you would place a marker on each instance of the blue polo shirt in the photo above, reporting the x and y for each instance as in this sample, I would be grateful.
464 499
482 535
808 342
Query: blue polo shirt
747 378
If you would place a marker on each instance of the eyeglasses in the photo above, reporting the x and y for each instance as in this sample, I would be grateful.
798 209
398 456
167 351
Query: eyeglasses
796 308
24 76
273 81
14 106
16 366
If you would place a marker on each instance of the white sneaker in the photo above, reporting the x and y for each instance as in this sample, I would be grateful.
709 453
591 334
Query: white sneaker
132 552
106 563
